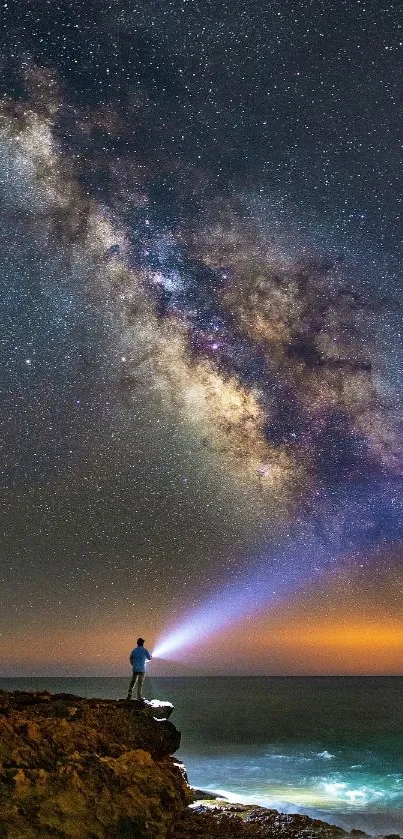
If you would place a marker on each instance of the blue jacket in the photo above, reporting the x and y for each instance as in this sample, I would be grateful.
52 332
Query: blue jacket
138 658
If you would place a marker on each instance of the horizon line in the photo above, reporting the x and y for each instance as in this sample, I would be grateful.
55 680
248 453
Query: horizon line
215 676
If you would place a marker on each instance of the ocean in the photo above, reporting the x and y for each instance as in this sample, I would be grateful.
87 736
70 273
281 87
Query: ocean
330 747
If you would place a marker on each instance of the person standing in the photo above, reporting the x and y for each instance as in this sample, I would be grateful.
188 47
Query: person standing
138 658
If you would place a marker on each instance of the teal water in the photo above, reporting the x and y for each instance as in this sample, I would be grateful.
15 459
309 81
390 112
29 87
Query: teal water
329 747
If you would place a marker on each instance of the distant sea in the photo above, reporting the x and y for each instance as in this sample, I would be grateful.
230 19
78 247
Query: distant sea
330 747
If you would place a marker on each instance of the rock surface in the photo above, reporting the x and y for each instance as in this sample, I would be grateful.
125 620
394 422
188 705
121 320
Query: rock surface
74 768
220 820
87 769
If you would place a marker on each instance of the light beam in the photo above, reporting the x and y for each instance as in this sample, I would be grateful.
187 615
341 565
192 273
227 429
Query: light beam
357 519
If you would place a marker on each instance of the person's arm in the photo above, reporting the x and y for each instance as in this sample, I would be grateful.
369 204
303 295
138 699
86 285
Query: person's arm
131 658
148 655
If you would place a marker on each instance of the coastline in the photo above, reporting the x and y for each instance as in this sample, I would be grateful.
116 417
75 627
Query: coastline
377 820
216 818
225 801
35 720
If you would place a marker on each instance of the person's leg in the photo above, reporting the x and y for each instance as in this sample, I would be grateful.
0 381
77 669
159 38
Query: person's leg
140 681
131 686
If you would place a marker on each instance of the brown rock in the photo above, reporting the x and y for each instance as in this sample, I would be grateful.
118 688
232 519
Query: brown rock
238 821
74 768
86 769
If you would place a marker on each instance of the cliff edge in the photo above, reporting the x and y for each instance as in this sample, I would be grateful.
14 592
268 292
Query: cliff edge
77 768
74 768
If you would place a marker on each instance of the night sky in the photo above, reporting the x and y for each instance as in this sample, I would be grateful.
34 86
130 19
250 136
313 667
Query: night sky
201 334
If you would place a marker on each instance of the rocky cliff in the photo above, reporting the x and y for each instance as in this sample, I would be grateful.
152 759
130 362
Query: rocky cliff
73 768
87 769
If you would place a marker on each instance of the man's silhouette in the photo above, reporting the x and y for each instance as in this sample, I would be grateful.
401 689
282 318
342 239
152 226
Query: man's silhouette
138 658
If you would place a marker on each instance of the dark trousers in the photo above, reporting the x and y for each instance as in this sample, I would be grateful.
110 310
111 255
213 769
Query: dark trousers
139 678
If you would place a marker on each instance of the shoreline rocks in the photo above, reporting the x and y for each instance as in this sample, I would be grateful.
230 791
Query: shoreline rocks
218 819
74 768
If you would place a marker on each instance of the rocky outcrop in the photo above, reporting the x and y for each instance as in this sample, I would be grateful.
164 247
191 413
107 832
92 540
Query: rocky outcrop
75 768
220 820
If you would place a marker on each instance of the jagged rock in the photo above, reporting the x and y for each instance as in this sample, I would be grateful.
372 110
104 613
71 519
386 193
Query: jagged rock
220 820
154 707
74 768
68 722
203 795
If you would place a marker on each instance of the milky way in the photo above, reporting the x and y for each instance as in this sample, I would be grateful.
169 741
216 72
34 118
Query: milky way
200 350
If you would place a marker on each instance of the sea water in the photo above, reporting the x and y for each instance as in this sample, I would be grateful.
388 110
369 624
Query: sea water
330 747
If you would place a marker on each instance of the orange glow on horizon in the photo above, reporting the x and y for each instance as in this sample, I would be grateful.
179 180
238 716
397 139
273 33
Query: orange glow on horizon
283 647
363 647
102 649
374 636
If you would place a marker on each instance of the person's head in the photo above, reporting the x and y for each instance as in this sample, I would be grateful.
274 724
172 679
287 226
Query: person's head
140 642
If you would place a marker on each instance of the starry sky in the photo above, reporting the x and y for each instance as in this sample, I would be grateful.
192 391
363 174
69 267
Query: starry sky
201 343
